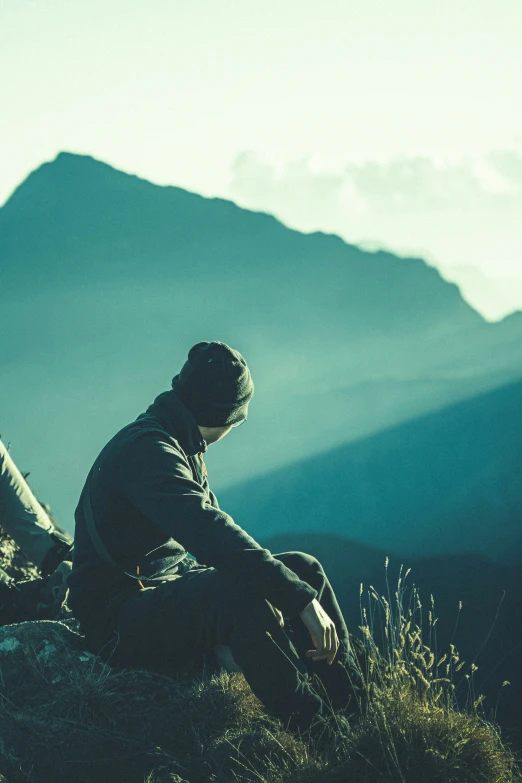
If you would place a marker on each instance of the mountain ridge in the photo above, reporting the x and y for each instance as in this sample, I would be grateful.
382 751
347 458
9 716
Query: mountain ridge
57 177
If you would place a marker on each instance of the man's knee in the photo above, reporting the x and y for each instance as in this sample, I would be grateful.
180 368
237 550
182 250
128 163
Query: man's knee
307 567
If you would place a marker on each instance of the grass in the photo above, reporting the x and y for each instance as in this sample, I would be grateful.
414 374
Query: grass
422 720
67 717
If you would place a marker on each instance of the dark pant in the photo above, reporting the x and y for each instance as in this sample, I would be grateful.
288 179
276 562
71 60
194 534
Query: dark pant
179 622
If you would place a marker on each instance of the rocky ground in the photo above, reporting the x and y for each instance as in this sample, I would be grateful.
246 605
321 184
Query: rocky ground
68 717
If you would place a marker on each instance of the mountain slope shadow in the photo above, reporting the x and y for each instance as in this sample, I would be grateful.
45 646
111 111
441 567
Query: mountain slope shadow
446 482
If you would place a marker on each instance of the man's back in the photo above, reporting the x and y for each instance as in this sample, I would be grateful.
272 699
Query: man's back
133 540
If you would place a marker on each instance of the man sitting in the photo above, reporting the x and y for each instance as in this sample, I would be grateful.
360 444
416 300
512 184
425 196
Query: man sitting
141 600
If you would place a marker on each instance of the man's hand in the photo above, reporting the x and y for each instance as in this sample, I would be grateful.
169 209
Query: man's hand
322 630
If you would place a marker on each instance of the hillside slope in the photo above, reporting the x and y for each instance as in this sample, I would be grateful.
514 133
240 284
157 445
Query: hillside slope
448 482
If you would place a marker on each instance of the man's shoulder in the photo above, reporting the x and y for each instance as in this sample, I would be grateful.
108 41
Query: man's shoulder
143 434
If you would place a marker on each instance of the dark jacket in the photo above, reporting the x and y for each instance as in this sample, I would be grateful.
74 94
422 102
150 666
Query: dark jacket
152 505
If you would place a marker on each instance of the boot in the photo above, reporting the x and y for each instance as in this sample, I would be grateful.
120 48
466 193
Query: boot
35 599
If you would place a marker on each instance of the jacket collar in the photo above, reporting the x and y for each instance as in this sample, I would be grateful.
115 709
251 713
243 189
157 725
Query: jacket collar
178 421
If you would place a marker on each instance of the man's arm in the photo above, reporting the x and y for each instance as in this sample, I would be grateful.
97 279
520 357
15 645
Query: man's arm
155 477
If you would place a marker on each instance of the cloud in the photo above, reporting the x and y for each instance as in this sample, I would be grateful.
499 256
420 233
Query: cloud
420 183
452 213
401 185
297 191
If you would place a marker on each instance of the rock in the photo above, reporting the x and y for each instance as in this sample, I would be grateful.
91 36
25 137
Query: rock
67 716
39 650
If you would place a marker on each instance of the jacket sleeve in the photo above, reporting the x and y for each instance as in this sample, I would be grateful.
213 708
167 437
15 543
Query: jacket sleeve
156 478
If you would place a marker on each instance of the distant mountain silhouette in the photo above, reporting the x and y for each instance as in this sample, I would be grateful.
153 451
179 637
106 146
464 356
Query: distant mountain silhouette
448 482
489 628
89 220
106 280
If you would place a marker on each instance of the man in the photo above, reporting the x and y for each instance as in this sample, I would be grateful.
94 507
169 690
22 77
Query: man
36 534
139 598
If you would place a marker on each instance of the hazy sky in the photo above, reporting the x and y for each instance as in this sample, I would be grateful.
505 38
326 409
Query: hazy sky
392 123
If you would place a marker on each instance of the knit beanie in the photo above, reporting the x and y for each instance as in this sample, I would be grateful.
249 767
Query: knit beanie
215 385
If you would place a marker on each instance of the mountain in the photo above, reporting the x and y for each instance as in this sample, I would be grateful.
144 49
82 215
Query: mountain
77 221
106 280
494 296
445 483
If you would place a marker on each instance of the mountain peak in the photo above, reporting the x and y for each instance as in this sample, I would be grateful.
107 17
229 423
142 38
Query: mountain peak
70 157
73 165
